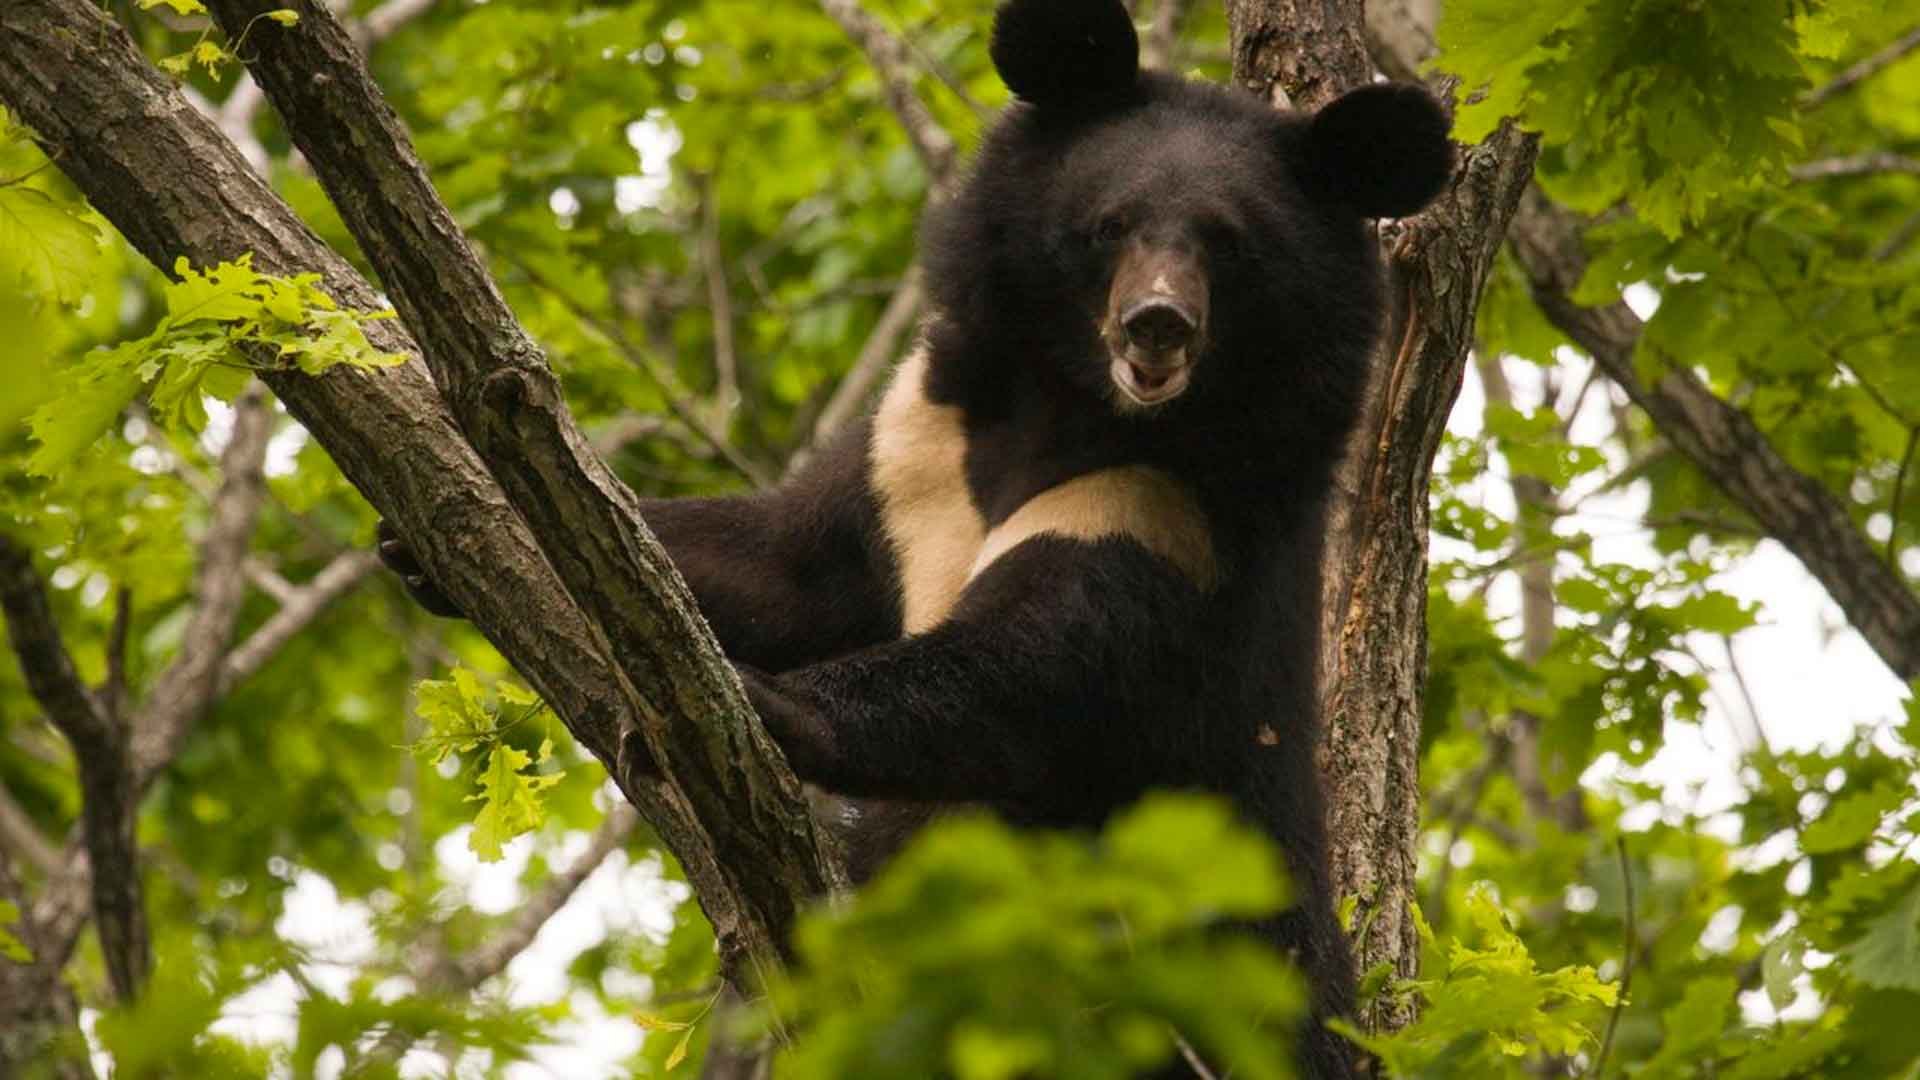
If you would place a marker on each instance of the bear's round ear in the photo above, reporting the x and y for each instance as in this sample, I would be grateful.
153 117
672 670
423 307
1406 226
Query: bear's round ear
1382 149
1065 53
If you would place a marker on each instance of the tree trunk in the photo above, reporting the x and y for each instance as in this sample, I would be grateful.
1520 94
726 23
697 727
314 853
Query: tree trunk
1374 568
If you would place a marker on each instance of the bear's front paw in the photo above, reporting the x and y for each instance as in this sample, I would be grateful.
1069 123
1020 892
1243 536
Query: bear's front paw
400 559
803 734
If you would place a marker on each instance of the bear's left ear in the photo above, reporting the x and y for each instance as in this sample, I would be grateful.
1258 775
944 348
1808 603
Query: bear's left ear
1065 53
1382 149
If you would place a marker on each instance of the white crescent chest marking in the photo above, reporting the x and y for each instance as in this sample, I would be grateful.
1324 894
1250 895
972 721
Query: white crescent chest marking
918 466
917 463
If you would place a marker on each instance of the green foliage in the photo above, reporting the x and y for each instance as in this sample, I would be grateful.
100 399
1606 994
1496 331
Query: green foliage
1486 1009
586 147
989 954
462 718
220 326
54 244
1667 103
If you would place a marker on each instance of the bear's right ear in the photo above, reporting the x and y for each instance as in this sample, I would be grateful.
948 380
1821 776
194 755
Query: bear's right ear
1065 53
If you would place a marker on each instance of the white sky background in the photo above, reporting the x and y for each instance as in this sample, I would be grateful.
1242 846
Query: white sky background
1814 679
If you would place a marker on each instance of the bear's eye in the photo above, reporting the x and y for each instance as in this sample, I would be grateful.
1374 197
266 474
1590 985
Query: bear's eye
1108 230
1226 244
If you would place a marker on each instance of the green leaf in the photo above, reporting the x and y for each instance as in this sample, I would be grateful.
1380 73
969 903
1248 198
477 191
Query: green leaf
284 16
91 397
180 7
458 718
12 948
1888 954
511 802
1693 1024
1780 965
1851 820
55 247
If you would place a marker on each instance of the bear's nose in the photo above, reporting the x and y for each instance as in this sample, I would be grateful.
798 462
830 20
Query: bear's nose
1159 326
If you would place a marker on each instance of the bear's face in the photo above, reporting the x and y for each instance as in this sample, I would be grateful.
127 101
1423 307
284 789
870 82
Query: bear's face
1163 240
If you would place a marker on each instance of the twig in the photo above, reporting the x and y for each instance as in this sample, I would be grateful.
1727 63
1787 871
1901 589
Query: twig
1156 49
22 839
1863 70
1761 743
1899 496
1626 962
875 355
297 611
889 59
1870 163
726 366
678 401
489 960
1902 236
1192 1058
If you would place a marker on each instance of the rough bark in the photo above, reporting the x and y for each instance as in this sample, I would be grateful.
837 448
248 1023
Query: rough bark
586 520
1723 443
1373 670
102 750
39 1022
175 186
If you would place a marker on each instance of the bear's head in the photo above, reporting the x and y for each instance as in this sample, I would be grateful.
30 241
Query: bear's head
1162 241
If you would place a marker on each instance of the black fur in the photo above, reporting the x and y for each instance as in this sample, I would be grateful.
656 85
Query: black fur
1073 676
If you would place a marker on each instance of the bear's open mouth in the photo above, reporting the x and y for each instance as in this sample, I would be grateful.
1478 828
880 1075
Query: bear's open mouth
1150 384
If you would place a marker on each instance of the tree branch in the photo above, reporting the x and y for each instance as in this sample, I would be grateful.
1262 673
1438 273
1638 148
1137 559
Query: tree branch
493 957
100 751
21 839
174 186
888 55
1536 508
1163 34
298 609
690 708
39 1021
1725 445
1868 164
726 363
876 356
679 402
1374 564
184 690
1860 72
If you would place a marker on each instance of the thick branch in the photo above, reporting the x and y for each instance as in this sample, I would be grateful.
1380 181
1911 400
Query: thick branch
39 1021
691 709
1724 444
1374 566
174 186
99 739
1298 53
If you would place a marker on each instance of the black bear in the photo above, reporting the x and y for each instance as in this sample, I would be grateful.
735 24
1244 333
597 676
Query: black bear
1074 554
